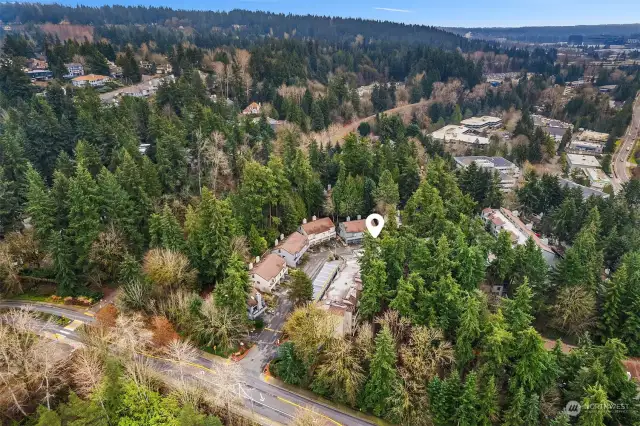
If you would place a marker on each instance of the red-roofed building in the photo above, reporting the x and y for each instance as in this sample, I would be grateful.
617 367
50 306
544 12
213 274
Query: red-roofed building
268 272
293 248
352 231
318 230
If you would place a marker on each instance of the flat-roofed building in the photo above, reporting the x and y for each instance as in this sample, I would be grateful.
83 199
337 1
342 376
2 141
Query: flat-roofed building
597 178
582 161
509 172
584 147
586 191
459 134
482 123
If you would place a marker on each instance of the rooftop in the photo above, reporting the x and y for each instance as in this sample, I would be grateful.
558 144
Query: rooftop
586 191
90 77
578 160
456 133
294 243
485 120
269 267
590 135
318 226
499 162
355 226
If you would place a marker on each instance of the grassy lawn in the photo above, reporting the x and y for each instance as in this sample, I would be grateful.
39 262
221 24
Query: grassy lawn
31 297
632 158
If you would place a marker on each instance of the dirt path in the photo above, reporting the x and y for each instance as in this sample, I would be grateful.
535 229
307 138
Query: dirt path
352 127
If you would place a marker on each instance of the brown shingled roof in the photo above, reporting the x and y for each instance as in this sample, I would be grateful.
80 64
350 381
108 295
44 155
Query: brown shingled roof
269 267
294 243
318 226
355 226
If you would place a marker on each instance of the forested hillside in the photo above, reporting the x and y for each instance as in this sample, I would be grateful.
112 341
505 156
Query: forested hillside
246 23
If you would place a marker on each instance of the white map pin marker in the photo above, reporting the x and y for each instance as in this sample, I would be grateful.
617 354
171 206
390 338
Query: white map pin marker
375 223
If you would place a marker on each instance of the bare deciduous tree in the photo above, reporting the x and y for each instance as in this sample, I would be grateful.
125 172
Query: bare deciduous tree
181 352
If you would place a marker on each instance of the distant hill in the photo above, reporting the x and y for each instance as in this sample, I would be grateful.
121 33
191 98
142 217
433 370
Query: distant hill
590 33
246 23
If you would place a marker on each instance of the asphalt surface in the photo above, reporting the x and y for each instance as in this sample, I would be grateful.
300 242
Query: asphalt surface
621 157
270 403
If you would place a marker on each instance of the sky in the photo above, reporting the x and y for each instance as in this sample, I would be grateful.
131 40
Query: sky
459 13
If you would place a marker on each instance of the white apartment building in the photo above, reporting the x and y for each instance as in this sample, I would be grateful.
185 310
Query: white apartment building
268 272
318 230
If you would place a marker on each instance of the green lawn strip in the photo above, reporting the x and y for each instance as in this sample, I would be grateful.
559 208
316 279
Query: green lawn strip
320 400
632 158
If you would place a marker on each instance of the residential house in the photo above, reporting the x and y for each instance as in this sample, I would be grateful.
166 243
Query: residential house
268 272
34 64
292 249
146 65
164 69
352 231
255 304
253 109
318 230
74 69
505 220
93 80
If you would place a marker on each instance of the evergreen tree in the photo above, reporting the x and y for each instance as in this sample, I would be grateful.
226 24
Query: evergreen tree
467 413
514 415
317 118
517 311
598 406
84 216
257 243
300 287
469 331
210 227
403 301
488 405
233 292
374 282
386 194
504 257
383 377
40 206
165 231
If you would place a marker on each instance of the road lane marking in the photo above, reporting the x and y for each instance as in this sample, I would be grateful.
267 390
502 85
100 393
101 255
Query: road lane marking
270 329
305 408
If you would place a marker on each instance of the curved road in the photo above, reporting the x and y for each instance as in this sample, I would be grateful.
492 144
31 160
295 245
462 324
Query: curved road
621 157
270 403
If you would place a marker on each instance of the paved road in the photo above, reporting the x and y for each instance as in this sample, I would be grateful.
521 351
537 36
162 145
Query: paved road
272 404
621 157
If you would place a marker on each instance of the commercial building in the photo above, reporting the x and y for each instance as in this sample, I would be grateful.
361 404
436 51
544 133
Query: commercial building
459 134
318 230
586 191
352 231
509 172
591 136
582 161
508 221
92 80
597 178
268 272
482 123
292 249
584 147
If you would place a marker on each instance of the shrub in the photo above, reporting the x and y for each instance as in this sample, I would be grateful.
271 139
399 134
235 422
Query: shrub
169 270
